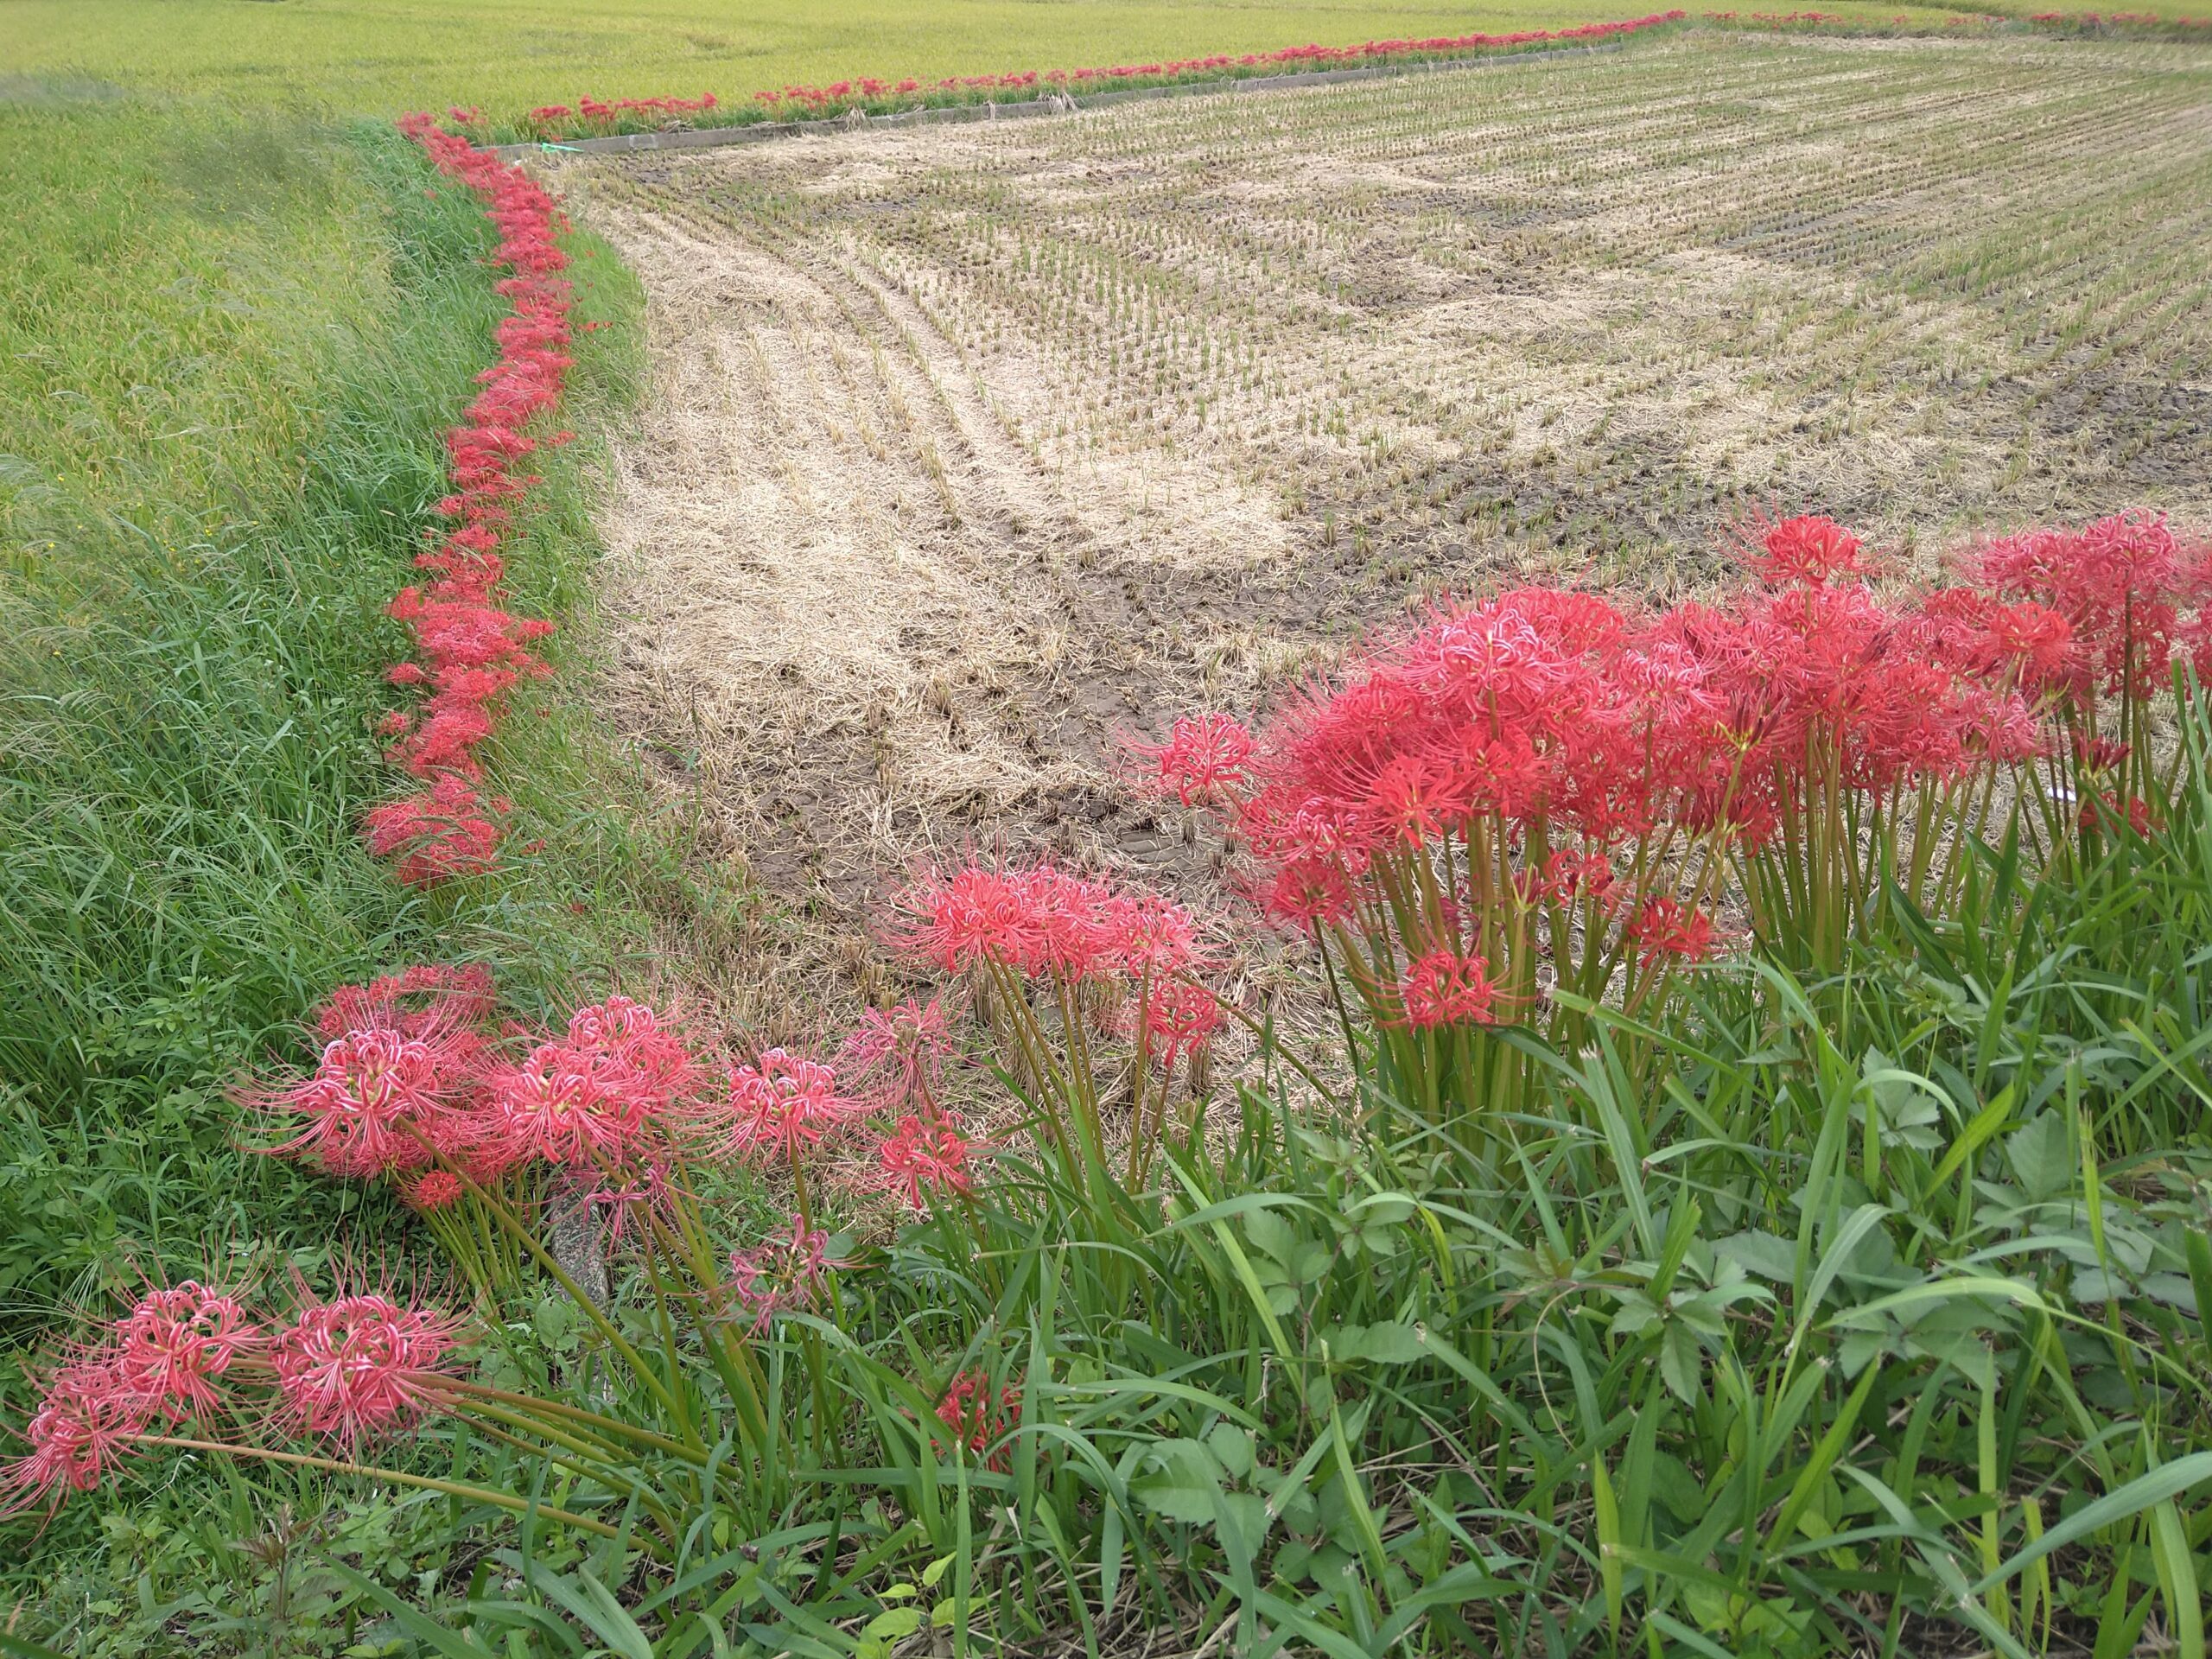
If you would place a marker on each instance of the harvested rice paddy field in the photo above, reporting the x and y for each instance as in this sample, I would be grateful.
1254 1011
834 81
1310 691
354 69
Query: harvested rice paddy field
973 450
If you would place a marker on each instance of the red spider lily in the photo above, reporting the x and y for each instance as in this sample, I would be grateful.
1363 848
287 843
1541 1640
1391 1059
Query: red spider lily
360 1365
781 1106
1172 1020
469 651
639 1042
610 1091
646 1191
372 1098
1307 890
434 1189
1141 935
1037 919
895 1057
784 1270
1203 760
1808 550
2106 809
976 1419
1665 928
1444 987
570 1104
593 116
1089 943
1570 875
88 1422
439 833
974 917
922 1153
2118 583
428 1001
172 1345
2026 644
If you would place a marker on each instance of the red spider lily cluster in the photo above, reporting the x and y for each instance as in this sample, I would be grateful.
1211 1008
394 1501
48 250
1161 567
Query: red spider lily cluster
469 651
345 1370
417 1081
1811 22
413 1076
591 117
1055 959
2119 22
977 1418
1547 790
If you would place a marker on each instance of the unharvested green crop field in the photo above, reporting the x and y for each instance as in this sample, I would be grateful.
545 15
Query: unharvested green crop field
381 56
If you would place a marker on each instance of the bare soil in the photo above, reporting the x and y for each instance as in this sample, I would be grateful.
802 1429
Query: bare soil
972 451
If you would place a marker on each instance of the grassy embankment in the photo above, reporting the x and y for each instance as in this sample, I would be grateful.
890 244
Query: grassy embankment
382 56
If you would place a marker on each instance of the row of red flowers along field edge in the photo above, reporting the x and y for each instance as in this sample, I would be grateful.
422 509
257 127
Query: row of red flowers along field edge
469 650
591 118
596 117
2140 24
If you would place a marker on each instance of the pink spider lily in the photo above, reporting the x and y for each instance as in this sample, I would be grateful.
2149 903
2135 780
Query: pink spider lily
360 1365
895 1057
922 1156
781 1107
174 1345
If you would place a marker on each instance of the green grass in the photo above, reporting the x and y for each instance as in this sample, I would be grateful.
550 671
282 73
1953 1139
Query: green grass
383 56
229 346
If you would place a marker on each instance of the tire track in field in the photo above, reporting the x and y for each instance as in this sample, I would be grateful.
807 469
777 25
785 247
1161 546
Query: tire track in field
858 623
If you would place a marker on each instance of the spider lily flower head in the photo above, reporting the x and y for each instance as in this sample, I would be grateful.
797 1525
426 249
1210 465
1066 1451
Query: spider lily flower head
1204 760
2118 583
88 1422
434 1190
425 1000
1666 929
784 1270
640 1043
1174 1018
976 1418
971 918
780 1106
176 1343
439 833
360 1365
896 1057
1036 920
570 1104
374 1095
1143 936
1808 550
922 1155
1444 987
